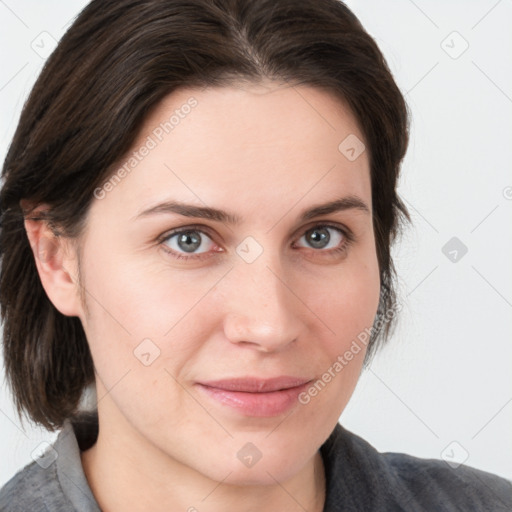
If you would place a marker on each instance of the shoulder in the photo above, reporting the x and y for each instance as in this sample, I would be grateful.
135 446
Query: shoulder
55 481
360 475
33 488
433 482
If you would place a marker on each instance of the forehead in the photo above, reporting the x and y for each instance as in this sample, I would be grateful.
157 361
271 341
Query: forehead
243 144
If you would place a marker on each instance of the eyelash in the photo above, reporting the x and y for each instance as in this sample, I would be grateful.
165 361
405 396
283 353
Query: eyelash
349 239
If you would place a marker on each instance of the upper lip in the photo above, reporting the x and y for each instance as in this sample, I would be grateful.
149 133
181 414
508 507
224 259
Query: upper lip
256 385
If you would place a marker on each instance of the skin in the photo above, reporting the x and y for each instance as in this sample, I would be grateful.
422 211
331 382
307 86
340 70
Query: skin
265 153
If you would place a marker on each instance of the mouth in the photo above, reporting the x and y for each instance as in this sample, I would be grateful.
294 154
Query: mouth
252 396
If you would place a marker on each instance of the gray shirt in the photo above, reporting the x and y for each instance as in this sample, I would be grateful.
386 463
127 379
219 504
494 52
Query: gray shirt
358 478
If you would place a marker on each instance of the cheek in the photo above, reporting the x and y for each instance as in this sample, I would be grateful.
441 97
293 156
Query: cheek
142 311
346 299
144 295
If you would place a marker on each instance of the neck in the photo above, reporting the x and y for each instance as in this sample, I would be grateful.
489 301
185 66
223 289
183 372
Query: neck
126 472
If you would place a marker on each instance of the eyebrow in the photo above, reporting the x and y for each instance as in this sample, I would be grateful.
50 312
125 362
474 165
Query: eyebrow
205 212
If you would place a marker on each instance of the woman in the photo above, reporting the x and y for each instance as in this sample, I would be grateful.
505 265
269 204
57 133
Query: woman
197 216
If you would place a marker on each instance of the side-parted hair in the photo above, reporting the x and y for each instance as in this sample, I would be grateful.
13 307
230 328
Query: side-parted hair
118 60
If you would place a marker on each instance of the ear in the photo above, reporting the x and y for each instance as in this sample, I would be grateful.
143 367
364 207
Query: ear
56 262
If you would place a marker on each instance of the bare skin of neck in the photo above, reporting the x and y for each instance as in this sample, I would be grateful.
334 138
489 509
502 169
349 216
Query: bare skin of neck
118 484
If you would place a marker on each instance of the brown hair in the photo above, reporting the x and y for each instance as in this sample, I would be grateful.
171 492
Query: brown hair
115 63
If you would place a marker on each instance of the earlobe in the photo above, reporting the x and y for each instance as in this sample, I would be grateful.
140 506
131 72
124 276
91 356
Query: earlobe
56 264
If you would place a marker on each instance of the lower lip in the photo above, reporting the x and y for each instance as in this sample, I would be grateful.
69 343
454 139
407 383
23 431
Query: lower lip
267 404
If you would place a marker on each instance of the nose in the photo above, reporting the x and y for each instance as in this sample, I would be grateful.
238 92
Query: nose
262 309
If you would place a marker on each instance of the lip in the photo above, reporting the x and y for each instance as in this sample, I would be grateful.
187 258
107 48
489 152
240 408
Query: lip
254 396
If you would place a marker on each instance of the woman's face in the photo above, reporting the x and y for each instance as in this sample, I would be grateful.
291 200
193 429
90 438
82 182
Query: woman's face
212 258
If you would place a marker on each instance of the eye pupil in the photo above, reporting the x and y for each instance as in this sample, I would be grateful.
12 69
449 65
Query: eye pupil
320 237
189 237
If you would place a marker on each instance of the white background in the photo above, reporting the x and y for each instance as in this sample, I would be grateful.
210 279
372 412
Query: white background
446 374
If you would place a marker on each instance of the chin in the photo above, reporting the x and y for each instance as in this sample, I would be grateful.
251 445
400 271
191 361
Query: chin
275 465
264 475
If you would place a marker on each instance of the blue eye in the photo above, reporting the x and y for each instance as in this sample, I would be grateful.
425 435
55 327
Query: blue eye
188 241
320 237
193 243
